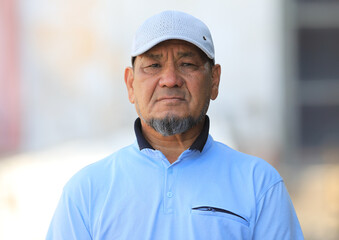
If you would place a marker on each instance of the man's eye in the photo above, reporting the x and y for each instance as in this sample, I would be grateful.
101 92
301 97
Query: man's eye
186 64
154 65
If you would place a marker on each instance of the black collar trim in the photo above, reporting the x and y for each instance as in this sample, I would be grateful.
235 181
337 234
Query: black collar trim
142 142
198 144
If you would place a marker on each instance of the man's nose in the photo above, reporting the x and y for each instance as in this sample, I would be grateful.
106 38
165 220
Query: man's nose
170 77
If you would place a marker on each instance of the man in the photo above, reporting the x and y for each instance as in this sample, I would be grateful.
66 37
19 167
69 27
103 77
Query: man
175 182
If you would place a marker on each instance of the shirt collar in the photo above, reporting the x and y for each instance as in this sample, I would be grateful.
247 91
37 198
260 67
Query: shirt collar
198 144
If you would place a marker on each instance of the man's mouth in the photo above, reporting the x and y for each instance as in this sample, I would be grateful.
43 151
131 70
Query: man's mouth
171 99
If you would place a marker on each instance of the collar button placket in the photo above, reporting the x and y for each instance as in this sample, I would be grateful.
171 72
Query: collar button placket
169 190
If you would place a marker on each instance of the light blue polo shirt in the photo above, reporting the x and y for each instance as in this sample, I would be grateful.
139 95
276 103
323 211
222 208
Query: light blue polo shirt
215 193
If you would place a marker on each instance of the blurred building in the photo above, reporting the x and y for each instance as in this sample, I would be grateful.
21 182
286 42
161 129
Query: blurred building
312 113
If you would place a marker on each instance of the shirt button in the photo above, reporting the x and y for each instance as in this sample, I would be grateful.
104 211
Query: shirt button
169 210
169 194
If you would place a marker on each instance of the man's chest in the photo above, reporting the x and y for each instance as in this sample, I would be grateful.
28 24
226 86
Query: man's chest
173 204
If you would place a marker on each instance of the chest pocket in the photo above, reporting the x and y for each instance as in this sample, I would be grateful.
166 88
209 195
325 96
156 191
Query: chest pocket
216 223
219 212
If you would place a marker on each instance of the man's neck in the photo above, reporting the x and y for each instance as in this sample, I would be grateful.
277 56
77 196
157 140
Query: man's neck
171 146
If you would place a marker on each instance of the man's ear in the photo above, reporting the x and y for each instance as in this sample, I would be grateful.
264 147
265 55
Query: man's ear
216 72
129 78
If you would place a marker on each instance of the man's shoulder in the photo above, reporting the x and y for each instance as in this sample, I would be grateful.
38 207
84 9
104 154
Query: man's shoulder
100 171
231 153
246 165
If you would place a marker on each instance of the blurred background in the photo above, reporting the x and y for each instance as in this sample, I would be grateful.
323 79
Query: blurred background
63 103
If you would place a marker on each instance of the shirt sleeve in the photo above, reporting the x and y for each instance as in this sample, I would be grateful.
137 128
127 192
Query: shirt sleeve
276 218
68 222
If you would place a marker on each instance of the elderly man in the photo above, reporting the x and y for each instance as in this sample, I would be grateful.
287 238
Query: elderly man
175 182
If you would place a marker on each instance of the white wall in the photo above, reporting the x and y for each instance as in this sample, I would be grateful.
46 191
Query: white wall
74 54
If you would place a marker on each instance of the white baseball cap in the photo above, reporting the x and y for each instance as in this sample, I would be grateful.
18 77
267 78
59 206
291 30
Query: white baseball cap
172 25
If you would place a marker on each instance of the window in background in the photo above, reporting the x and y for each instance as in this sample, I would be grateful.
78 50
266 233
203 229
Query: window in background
317 100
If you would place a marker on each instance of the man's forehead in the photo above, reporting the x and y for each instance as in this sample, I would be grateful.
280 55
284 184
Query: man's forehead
183 49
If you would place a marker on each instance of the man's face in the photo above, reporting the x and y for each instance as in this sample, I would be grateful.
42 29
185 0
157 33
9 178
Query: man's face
173 79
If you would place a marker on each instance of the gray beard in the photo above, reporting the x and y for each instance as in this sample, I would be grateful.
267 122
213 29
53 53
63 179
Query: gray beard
171 125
